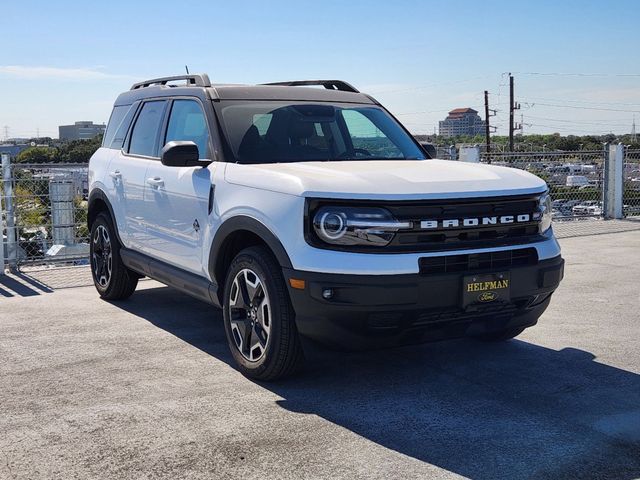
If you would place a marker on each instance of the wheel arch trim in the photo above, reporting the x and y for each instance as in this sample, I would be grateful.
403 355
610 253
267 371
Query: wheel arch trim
99 195
250 224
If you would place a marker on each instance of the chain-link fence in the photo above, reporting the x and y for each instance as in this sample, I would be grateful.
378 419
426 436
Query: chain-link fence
43 207
575 179
631 192
44 213
446 152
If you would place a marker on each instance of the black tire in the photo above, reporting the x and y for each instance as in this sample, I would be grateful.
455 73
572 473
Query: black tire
120 282
501 335
282 353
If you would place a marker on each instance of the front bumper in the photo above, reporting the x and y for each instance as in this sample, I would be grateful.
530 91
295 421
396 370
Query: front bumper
380 310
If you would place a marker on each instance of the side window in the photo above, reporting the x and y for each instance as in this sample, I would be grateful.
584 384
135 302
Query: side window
262 122
144 137
117 115
366 136
187 122
120 134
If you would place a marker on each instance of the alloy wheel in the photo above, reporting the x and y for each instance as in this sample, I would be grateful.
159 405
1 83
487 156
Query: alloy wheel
250 315
102 256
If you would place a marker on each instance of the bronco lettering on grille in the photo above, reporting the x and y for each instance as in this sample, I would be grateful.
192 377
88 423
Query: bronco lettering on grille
475 222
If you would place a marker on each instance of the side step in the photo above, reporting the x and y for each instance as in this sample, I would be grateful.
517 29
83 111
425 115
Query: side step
189 283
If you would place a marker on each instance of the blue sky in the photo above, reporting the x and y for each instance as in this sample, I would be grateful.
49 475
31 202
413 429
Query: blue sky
64 61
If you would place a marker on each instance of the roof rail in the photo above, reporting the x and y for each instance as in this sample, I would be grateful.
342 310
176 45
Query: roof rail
328 84
198 80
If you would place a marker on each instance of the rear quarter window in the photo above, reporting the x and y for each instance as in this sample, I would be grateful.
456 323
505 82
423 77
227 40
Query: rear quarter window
118 126
117 115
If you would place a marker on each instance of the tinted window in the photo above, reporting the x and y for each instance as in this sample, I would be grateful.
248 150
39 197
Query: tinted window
121 133
117 115
144 137
367 137
187 122
268 132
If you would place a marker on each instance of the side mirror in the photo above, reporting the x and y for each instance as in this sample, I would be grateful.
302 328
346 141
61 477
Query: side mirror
181 154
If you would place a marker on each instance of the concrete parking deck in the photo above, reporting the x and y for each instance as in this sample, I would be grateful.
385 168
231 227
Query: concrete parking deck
145 389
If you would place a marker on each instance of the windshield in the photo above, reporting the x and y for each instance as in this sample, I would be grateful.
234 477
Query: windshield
270 132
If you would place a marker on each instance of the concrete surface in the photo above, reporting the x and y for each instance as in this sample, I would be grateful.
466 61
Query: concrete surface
144 389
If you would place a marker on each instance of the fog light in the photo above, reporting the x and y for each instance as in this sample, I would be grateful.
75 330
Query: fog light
327 293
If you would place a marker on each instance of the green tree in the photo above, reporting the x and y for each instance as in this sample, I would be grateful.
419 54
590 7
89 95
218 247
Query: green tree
78 151
36 155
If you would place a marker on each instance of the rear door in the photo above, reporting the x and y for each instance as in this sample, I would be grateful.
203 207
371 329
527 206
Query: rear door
127 171
176 199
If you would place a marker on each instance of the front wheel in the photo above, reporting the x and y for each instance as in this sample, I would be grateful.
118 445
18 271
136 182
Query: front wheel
258 317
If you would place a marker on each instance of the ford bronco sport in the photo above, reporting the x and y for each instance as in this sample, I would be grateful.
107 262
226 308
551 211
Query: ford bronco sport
307 211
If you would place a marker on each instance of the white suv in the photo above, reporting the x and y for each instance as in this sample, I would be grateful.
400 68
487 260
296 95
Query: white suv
312 211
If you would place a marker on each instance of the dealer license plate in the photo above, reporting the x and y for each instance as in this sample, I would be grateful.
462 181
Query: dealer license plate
485 288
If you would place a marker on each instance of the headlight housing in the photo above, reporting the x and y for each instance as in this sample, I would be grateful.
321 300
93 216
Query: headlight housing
545 212
338 225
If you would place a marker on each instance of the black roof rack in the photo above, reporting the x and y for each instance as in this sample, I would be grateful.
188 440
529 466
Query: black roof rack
328 84
198 80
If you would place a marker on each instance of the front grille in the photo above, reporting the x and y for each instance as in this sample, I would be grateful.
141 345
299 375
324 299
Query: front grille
451 238
386 321
458 315
478 261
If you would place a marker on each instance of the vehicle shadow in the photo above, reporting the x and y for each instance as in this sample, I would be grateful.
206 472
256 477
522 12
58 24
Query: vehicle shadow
483 411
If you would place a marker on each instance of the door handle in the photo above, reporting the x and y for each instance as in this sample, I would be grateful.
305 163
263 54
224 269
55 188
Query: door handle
116 175
155 182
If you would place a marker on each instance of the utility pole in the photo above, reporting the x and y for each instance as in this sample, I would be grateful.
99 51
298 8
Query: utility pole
512 107
486 121
633 130
487 114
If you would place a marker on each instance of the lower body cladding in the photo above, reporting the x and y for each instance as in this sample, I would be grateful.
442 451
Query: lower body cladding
368 311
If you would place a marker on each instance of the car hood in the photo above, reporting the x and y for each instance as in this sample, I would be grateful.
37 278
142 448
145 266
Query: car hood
386 179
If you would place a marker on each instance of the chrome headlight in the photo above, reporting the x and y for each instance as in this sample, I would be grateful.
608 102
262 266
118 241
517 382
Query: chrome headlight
545 212
356 225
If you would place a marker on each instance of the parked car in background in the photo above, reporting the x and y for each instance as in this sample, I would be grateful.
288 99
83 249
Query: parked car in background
591 208
577 181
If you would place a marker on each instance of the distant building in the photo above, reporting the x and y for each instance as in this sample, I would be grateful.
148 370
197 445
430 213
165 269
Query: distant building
80 131
462 121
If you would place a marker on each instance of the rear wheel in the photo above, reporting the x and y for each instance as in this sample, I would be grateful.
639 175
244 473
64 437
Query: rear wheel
258 318
112 279
500 335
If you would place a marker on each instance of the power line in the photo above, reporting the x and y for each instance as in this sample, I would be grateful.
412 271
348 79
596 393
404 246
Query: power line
602 123
569 130
580 107
567 74
564 100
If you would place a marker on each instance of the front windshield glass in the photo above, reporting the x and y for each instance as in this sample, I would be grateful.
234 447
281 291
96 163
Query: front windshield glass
270 132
